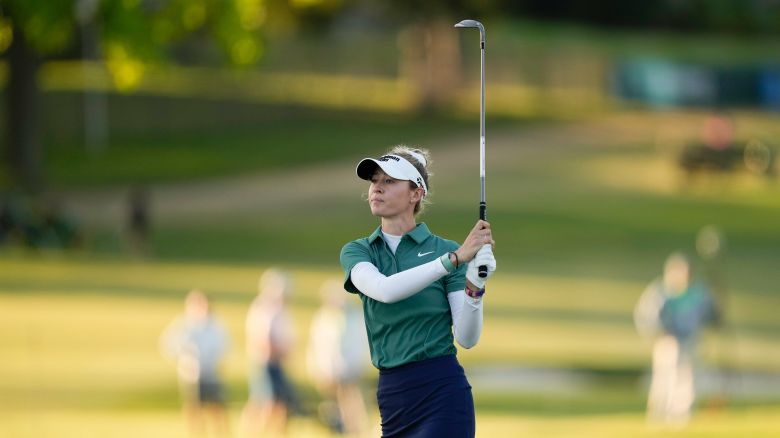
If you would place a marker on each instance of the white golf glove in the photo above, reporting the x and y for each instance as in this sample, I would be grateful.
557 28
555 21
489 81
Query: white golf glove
484 257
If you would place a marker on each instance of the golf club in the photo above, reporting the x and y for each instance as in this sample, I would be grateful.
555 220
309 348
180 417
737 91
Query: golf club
482 204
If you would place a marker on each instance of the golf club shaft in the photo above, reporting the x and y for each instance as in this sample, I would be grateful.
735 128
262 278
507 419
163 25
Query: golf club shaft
483 272
482 204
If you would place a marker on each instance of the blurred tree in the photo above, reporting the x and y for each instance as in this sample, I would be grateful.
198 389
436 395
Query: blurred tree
735 16
429 44
315 14
129 33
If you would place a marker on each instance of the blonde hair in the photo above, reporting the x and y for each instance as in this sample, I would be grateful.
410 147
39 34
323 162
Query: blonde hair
421 160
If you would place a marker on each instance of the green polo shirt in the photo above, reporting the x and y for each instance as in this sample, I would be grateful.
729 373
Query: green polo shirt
419 327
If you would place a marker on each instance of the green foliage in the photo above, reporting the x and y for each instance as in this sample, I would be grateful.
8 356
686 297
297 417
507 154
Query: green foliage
719 16
47 25
134 32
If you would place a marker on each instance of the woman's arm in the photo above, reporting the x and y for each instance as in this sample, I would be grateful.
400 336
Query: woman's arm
369 281
647 312
466 318
466 308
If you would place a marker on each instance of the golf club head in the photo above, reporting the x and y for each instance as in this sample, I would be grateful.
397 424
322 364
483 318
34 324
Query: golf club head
475 24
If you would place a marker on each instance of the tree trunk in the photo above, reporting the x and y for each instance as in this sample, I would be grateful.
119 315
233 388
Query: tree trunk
95 100
430 61
23 144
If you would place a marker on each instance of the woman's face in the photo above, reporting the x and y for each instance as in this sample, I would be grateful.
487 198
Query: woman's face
388 197
677 276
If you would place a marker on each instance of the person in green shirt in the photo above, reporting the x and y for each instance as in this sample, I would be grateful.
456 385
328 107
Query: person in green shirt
673 311
420 293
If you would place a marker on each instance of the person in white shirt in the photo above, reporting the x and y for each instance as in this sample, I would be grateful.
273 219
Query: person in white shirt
337 357
198 343
269 341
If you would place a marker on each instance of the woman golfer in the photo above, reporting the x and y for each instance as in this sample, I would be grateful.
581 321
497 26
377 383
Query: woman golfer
417 288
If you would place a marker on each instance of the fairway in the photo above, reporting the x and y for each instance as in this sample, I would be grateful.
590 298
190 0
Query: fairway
584 213
80 352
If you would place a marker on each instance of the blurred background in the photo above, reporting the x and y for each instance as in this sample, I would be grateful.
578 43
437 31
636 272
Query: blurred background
152 147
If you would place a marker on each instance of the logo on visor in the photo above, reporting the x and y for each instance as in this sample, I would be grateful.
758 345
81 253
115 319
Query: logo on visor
388 157
420 182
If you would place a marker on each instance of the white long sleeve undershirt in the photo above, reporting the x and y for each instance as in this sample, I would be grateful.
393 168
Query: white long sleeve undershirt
466 311
466 318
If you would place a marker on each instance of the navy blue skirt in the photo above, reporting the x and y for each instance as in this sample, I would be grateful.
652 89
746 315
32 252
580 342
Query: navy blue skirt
426 399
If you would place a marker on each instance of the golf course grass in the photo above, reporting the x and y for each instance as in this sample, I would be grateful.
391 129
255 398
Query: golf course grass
584 213
79 342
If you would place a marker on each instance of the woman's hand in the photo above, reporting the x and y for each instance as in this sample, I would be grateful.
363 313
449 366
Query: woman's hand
484 258
479 236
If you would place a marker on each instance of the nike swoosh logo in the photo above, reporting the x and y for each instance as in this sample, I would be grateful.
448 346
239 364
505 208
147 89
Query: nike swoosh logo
421 254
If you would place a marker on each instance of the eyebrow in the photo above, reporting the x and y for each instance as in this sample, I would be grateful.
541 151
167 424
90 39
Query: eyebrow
377 171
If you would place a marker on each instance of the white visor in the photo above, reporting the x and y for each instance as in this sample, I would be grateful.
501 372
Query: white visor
393 165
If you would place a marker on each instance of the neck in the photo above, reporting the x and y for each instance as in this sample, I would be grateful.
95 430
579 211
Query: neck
398 226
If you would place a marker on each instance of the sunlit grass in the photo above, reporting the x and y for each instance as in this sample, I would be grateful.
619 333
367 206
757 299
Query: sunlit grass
757 422
108 326
753 422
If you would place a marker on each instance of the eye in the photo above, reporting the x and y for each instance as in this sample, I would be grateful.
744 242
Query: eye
389 181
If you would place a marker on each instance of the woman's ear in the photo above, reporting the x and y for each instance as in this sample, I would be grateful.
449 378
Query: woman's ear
417 195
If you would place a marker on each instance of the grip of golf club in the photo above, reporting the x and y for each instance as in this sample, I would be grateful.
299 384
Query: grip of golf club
482 270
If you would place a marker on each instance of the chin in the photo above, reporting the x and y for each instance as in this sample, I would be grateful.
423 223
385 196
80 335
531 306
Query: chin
380 212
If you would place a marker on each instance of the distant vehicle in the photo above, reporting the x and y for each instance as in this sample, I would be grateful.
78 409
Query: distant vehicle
754 156
720 152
